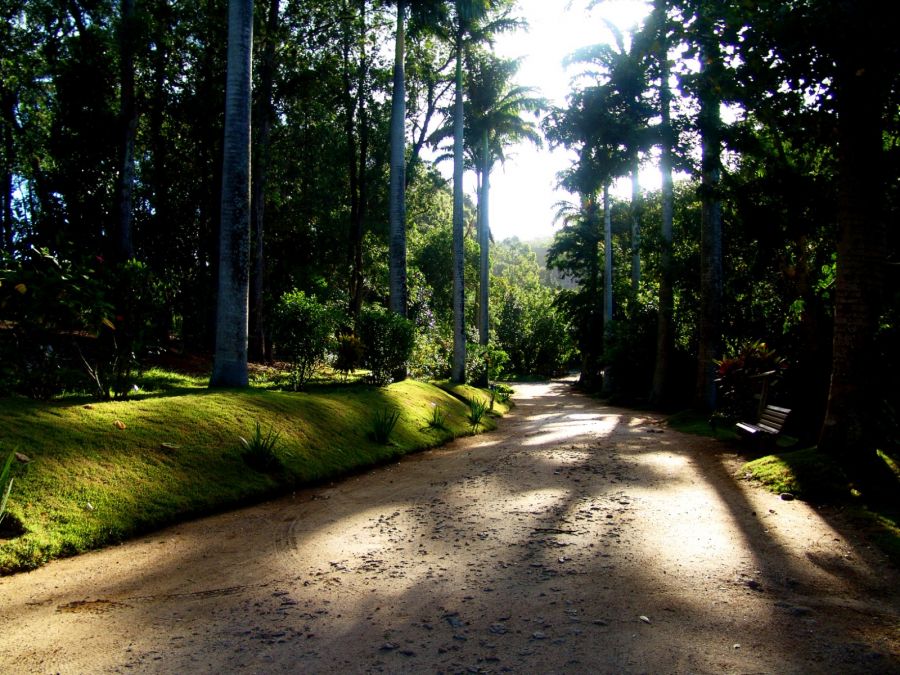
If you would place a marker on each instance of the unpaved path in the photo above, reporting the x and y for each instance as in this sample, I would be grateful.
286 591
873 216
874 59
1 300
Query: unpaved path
577 539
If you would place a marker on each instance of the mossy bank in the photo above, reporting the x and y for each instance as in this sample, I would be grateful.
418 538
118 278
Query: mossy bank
102 472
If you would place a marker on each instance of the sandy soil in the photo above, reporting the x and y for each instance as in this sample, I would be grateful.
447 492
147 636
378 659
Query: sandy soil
576 539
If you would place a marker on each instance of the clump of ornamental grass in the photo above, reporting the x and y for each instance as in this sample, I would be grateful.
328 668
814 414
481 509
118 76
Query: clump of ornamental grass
438 420
260 449
383 424
477 410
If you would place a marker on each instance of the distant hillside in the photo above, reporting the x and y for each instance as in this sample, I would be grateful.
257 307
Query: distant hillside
549 277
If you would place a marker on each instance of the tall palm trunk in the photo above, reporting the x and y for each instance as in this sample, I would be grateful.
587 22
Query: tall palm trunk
711 275
397 208
458 366
484 243
123 246
665 329
635 224
230 360
608 261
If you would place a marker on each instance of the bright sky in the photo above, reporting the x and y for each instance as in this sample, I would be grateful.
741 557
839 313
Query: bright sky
523 191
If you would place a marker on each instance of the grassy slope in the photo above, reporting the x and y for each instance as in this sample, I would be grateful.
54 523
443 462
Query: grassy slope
91 483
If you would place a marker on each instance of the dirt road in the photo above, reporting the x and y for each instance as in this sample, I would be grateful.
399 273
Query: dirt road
576 539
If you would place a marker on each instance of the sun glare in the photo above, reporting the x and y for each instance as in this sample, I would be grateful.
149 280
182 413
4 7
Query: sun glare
523 192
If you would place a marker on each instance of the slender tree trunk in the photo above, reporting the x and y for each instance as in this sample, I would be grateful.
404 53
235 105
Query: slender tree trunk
711 274
458 367
397 208
484 243
608 261
635 225
123 246
665 330
350 131
266 116
230 361
608 375
6 191
363 198
854 401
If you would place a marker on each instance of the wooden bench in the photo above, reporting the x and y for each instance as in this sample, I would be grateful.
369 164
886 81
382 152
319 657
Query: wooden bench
769 426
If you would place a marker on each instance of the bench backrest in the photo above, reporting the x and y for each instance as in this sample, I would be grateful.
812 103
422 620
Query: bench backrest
773 418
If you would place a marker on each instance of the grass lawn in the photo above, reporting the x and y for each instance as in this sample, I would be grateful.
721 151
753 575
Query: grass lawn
104 471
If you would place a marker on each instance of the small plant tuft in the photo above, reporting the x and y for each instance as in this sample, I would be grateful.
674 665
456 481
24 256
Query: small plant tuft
477 409
504 392
259 449
437 421
6 478
383 424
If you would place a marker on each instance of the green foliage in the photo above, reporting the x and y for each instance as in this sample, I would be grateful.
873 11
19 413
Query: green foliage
629 353
302 329
45 302
92 318
260 449
485 363
383 423
430 358
388 340
534 335
113 360
503 392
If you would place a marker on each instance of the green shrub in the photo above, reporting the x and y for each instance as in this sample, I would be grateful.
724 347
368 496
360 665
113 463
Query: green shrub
45 300
67 320
503 392
740 378
348 354
629 355
485 363
388 342
113 359
302 330
430 357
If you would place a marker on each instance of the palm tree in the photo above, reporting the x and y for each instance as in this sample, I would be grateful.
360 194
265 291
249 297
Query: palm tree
709 123
469 22
495 119
627 113
230 360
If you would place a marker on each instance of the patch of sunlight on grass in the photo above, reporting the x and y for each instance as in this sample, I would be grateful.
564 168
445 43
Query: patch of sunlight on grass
807 473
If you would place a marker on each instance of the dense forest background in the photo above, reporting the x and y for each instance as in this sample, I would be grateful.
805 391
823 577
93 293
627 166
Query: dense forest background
769 256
